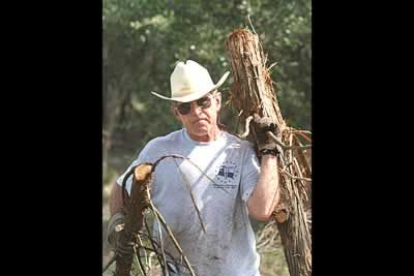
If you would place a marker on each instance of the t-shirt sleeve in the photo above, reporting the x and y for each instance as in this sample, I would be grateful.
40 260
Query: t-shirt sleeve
250 173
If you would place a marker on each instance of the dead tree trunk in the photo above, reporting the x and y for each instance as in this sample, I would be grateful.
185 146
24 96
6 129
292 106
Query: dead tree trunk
252 92
134 221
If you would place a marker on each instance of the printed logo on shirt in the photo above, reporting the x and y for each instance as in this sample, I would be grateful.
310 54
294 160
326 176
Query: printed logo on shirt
226 172
226 176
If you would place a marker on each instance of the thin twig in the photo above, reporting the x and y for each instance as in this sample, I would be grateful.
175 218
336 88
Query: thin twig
153 243
300 175
291 153
304 161
187 185
192 163
141 244
247 128
302 133
236 127
251 24
154 249
280 143
270 67
286 166
109 263
162 246
124 182
141 266
295 177
170 233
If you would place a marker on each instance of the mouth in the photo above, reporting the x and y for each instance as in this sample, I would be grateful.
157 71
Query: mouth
200 121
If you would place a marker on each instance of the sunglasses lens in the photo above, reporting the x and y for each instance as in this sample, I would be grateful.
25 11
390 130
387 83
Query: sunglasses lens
204 102
184 108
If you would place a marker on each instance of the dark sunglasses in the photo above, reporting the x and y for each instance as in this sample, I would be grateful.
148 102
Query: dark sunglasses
185 108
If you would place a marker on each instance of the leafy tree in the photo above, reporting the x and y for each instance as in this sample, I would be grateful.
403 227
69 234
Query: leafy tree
143 39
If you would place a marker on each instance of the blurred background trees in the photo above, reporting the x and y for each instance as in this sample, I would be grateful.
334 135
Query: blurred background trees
143 39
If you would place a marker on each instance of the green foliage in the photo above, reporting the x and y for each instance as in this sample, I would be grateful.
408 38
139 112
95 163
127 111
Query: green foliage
143 39
273 263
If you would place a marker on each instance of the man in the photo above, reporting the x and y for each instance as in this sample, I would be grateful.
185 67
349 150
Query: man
236 186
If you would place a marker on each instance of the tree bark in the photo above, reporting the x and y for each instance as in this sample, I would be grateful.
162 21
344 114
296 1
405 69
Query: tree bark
252 92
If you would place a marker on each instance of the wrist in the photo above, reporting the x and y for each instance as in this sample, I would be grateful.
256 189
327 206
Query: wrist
274 152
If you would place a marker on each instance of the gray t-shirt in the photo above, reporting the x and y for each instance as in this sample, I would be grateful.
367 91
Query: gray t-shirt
228 247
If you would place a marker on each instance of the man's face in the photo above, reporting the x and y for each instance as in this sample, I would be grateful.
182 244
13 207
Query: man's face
200 117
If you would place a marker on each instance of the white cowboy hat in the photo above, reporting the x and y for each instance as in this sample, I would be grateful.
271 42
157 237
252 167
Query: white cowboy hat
190 81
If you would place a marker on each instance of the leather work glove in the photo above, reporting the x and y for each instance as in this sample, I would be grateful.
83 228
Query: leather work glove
266 145
116 233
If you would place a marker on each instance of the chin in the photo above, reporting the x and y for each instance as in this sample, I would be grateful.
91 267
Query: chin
201 131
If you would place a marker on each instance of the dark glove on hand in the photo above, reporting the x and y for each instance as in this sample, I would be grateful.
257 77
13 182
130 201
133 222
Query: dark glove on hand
261 126
116 235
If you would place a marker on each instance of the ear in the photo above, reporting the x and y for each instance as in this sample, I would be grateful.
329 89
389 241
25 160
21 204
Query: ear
217 98
176 114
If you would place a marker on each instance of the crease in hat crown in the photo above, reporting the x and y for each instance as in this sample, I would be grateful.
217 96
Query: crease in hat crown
190 81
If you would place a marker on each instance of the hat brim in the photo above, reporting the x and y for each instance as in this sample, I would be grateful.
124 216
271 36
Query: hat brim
196 95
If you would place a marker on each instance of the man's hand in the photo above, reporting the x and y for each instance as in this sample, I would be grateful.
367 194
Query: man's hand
261 126
116 235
